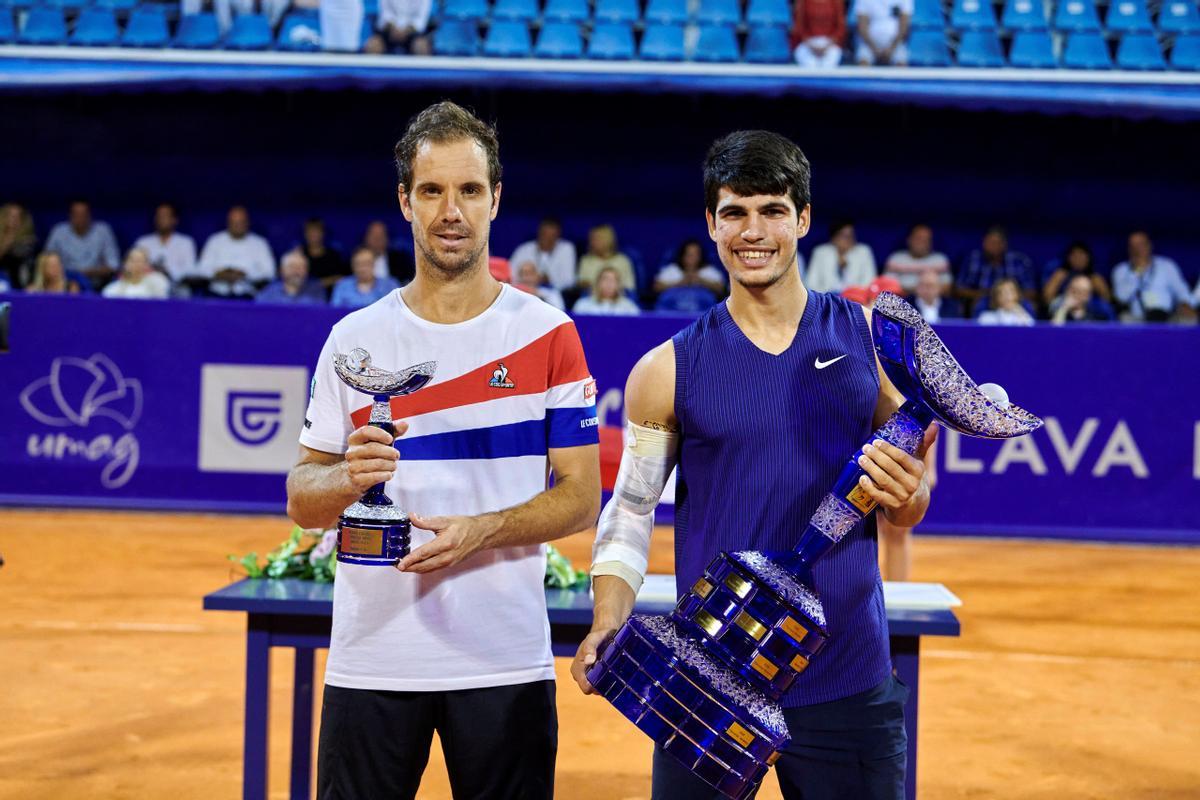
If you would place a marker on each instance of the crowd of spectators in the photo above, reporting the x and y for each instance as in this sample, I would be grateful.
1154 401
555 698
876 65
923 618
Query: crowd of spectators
994 284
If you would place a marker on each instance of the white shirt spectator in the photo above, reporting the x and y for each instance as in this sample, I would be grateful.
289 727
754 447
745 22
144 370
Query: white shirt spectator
622 306
405 14
883 24
152 286
823 272
251 254
907 269
558 265
672 274
1002 316
176 256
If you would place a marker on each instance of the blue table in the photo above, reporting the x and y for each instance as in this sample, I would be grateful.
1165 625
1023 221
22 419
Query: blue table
297 614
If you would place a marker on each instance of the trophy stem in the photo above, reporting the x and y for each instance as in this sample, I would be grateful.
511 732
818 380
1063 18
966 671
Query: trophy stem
381 417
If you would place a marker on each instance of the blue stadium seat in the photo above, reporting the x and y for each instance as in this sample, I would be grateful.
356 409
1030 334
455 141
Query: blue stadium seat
1186 52
1128 16
516 10
980 49
719 12
147 27
662 43
1032 50
508 39
617 11
1086 50
473 10
1076 15
299 32
198 31
611 41
370 8
8 31
769 12
1140 51
43 26
667 12
566 11
65 5
456 37
928 15
717 43
973 15
1024 15
96 27
249 32
559 40
768 44
1179 16
927 48
122 7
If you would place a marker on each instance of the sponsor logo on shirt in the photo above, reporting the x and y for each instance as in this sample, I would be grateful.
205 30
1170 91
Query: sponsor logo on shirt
500 378
589 422
589 390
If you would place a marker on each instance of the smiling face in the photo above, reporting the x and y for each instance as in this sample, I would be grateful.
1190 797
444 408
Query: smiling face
756 236
450 206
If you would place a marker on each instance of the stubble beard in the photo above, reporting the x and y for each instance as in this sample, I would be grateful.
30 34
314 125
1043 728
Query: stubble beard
448 270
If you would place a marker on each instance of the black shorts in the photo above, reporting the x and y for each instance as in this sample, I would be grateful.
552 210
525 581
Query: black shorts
500 742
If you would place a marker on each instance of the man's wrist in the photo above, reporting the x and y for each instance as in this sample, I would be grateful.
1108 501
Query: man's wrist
489 526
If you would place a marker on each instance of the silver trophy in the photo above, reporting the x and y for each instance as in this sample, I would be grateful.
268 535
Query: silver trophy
373 531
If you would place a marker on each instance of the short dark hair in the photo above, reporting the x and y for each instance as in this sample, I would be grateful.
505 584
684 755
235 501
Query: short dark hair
314 222
756 162
838 225
446 122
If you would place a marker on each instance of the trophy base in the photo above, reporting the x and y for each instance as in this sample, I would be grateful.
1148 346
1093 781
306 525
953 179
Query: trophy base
698 711
372 535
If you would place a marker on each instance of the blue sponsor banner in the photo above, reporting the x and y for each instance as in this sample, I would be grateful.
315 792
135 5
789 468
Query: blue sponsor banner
195 405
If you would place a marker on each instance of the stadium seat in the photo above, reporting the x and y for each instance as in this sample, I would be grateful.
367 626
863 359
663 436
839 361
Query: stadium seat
515 10
559 40
719 12
1032 50
1128 16
617 11
667 12
198 31
768 44
508 39
43 26
1076 15
1086 50
8 31
717 43
456 37
299 33
927 48
928 15
1186 52
662 43
249 32
1140 51
121 7
1024 15
573 11
473 10
611 41
65 5
769 12
96 27
1179 16
980 49
370 8
147 27
973 15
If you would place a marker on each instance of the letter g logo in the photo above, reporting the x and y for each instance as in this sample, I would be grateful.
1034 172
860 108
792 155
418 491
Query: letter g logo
253 417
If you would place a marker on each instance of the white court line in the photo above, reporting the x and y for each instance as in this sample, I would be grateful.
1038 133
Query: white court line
110 627
1048 658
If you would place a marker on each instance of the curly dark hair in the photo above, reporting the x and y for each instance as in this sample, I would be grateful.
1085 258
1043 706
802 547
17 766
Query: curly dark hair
756 162
446 122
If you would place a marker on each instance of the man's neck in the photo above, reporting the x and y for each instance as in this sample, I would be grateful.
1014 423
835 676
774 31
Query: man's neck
770 315
165 235
439 297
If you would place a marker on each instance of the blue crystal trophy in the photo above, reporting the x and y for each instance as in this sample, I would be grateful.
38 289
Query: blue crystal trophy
373 531
705 682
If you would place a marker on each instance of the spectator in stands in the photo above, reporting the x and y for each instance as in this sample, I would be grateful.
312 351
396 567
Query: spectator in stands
690 269
403 27
322 262
51 277
528 279
224 9
294 286
989 264
1078 304
606 297
18 244
883 32
171 252
1077 260
602 252
235 260
1005 306
341 24
1149 287
553 255
362 287
138 279
388 260
819 33
929 300
842 261
918 257
84 245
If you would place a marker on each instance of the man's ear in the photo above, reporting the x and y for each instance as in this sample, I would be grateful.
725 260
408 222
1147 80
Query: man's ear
804 222
405 205
496 201
712 224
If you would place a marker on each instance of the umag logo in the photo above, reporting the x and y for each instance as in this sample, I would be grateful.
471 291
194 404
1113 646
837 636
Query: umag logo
500 378
253 417
91 394
250 416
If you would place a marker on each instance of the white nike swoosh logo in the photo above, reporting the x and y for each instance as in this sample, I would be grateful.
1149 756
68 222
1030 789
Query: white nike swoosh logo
819 364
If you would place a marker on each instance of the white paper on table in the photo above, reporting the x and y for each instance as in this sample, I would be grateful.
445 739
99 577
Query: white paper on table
918 596
657 589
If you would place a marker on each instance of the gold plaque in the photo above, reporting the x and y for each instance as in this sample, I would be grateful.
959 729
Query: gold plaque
740 735
708 622
793 629
799 663
753 628
702 588
764 667
362 542
859 498
737 585
771 759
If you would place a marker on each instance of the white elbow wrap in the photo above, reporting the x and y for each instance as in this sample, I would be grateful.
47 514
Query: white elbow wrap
622 545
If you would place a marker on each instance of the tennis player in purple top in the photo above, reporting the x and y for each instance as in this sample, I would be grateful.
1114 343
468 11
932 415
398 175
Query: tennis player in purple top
758 404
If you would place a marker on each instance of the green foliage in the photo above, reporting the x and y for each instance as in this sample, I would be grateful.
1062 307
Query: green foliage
560 574
308 555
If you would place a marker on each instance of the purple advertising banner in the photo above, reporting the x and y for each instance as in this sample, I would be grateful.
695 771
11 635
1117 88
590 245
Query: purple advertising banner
197 405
